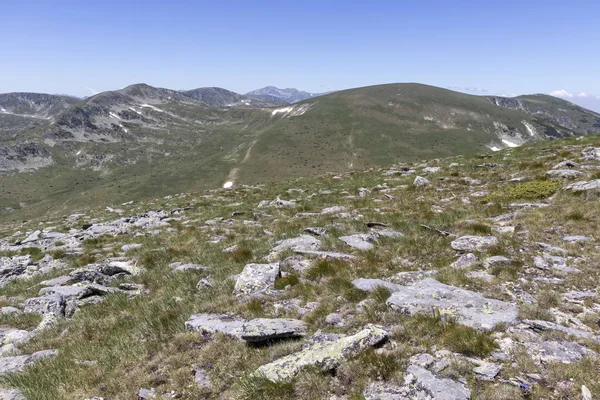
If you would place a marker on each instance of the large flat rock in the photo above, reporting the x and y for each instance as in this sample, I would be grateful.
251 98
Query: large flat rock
326 356
369 285
469 308
253 331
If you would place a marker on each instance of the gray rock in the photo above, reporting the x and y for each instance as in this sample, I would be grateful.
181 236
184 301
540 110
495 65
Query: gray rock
325 356
298 264
253 331
420 181
201 379
542 326
566 164
316 231
132 246
335 319
369 285
189 267
146 394
465 261
304 242
58 281
256 279
54 304
552 249
11 394
474 243
422 360
577 239
10 365
386 233
585 393
481 275
10 311
409 278
487 371
564 352
591 153
359 241
385 391
469 308
326 254
564 173
425 385
363 192
496 261
584 186
333 210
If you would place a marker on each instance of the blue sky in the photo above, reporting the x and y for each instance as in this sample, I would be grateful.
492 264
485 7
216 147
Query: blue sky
502 47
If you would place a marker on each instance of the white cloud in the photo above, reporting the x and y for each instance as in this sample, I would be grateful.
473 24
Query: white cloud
91 90
561 93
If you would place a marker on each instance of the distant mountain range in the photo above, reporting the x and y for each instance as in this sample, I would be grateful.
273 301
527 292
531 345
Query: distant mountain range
285 96
142 141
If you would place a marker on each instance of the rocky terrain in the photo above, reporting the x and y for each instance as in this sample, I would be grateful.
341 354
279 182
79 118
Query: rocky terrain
452 278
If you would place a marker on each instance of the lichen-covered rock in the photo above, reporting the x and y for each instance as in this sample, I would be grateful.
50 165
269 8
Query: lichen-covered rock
326 254
325 356
563 173
10 365
591 153
473 243
253 331
256 279
53 304
467 307
422 384
542 326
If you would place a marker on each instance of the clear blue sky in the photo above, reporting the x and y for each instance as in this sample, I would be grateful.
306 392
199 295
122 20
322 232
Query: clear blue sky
77 47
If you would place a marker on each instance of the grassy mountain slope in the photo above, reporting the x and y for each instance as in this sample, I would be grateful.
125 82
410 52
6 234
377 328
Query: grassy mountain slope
142 141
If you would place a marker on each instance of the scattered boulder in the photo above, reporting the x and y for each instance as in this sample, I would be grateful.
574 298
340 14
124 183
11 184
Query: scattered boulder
496 261
304 242
316 231
256 279
326 356
257 330
467 307
591 153
465 261
420 181
473 243
543 326
361 241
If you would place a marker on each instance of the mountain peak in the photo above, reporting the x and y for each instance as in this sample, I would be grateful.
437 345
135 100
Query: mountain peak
275 94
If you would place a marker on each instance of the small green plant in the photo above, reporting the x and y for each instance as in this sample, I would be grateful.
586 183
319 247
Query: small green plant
537 189
289 280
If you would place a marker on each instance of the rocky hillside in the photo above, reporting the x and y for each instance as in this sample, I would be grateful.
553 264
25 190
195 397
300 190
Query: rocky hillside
455 278
141 141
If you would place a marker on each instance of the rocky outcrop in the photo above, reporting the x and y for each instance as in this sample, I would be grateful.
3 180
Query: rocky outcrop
474 243
256 279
